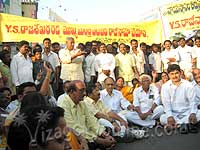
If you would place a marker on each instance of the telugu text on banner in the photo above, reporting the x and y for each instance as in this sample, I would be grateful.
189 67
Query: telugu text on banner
16 28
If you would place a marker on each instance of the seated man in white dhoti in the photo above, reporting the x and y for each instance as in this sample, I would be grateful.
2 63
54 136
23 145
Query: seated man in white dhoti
147 103
178 97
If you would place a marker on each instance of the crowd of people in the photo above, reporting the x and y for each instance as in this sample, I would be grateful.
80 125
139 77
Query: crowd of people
92 95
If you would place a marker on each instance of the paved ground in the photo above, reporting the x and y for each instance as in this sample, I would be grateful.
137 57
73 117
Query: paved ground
175 141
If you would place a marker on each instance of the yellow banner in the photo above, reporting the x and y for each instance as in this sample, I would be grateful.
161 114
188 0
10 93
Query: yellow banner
16 28
181 16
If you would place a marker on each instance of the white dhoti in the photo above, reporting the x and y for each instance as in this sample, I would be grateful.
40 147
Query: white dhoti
149 121
180 119
107 123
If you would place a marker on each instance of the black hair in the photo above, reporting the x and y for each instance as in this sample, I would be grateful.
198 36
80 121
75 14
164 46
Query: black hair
120 78
134 79
3 53
33 99
55 43
108 78
143 44
127 47
19 137
88 44
46 39
90 87
5 89
35 50
21 43
197 38
22 86
182 38
168 41
154 45
173 67
134 40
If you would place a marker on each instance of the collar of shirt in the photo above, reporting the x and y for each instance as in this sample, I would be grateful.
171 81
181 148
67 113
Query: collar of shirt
70 101
90 100
194 83
171 84
43 52
106 93
21 55
150 89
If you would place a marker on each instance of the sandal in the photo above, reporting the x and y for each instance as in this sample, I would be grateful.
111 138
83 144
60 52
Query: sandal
183 128
192 128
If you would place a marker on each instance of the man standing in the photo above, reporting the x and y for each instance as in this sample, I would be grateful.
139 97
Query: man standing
178 97
169 56
21 66
187 56
104 64
125 65
53 59
138 56
71 62
88 66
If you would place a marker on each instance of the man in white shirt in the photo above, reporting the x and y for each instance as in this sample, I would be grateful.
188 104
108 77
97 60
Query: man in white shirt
169 56
104 64
178 97
155 60
53 59
71 62
147 103
114 100
187 56
197 51
138 56
21 66
125 65
88 66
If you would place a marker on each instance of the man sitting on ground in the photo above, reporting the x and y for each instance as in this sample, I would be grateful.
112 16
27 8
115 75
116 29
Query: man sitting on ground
178 97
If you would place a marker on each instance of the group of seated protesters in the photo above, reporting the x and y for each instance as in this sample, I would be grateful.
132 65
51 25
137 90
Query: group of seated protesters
91 117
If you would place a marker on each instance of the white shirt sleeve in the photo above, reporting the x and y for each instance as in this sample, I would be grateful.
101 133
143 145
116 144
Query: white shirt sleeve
13 69
166 100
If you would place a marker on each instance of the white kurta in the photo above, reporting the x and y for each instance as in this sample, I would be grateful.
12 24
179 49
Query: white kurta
52 58
71 69
155 60
186 54
178 101
139 61
104 61
88 66
21 69
145 102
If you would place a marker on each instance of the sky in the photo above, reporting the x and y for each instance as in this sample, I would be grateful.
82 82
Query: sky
98 11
